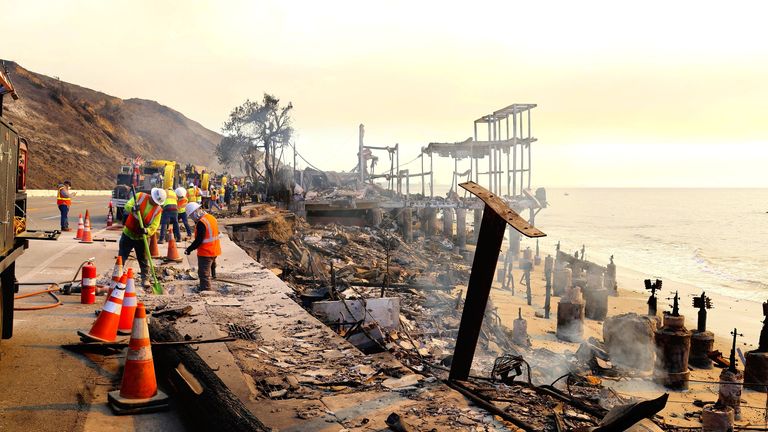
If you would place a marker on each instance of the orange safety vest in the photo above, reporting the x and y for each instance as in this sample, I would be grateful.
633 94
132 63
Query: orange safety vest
132 223
183 205
210 246
60 200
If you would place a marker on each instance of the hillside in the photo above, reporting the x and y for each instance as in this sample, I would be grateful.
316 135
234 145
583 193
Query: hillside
85 135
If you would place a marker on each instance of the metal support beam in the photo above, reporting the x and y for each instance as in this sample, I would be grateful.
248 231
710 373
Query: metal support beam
496 216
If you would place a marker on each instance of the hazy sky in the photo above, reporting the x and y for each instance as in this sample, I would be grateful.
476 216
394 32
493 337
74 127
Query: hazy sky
642 94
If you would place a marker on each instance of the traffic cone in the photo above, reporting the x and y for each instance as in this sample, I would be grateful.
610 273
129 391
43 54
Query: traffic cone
87 238
117 272
173 252
154 250
110 217
129 305
105 327
138 391
80 227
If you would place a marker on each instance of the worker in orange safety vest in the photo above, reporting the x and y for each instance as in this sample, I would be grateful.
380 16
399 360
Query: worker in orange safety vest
206 242
63 202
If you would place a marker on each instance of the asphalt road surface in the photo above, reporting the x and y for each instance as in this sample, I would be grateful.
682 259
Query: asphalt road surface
47 388
43 214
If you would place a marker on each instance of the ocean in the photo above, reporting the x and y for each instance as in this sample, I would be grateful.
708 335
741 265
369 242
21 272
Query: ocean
712 239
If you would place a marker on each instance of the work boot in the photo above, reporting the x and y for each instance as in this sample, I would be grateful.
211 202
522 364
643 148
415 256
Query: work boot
66 229
145 283
160 242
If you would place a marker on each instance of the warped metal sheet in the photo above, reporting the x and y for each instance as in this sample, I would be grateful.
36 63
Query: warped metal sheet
501 208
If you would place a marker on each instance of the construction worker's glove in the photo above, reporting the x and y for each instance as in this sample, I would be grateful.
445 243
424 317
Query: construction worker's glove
187 251
146 232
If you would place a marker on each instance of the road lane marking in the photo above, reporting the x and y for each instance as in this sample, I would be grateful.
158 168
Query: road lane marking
44 264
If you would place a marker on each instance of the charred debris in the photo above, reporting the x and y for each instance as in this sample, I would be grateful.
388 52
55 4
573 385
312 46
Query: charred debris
384 294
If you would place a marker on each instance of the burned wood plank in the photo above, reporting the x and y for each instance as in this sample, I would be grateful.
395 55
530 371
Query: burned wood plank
208 402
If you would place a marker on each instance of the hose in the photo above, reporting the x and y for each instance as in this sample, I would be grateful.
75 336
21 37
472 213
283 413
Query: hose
49 291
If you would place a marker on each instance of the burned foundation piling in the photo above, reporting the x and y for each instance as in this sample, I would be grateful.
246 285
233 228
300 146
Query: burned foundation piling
448 223
596 307
609 282
729 395
756 367
673 344
562 279
520 330
702 341
461 228
570 315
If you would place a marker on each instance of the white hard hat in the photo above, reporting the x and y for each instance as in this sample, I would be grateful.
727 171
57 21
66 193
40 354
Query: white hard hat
158 195
191 208
181 192
191 185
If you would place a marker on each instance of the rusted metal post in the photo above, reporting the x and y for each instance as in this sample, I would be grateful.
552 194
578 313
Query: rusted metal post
496 215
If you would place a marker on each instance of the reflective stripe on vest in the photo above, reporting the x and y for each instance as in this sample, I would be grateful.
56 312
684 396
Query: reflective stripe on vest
143 202
210 246
60 200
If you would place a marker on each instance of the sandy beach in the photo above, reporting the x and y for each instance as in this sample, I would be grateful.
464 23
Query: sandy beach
727 314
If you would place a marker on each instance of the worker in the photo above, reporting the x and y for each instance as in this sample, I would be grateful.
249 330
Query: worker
191 192
214 199
64 201
206 242
181 194
149 206
170 216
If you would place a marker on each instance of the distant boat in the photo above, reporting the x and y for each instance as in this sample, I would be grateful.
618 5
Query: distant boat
566 194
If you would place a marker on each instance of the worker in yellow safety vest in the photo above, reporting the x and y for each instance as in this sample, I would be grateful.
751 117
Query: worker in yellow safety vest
191 193
148 206
206 242
63 202
181 194
170 216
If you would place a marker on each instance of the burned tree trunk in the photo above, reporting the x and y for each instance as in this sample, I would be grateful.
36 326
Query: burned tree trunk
208 402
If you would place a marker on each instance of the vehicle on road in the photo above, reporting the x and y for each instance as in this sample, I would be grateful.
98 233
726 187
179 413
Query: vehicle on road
144 175
14 161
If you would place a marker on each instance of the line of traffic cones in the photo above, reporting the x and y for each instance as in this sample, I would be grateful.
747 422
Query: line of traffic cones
123 314
138 390
105 327
87 237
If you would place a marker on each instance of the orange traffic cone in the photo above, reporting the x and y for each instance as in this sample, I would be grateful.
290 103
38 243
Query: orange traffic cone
173 252
117 272
105 327
138 391
109 215
87 238
154 250
129 305
80 227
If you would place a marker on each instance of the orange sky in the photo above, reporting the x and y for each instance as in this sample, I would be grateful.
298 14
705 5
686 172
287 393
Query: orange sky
654 94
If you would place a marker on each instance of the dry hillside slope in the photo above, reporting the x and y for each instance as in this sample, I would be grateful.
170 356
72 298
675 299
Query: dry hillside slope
85 135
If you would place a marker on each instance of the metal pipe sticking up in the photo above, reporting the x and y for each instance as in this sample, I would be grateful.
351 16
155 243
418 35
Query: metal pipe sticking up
702 341
496 216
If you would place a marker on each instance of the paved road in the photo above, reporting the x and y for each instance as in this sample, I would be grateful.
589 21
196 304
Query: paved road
44 387
42 212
